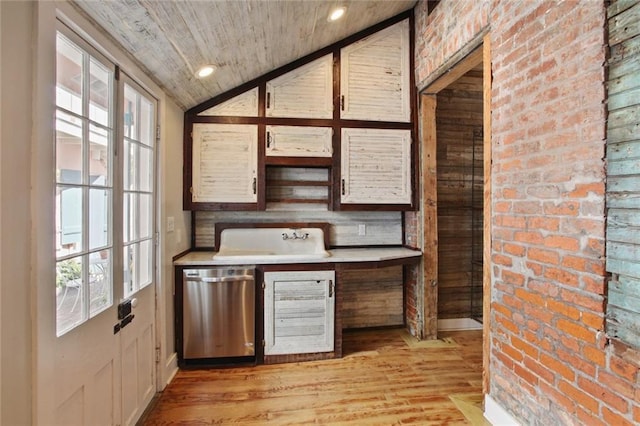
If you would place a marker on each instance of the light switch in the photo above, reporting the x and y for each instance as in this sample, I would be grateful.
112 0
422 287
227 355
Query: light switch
171 224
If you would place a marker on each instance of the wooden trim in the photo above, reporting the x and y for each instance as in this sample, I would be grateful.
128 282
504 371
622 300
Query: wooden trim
430 215
378 264
461 68
187 170
299 161
220 226
486 234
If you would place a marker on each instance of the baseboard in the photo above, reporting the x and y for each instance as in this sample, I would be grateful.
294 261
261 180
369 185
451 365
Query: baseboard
496 415
170 368
459 324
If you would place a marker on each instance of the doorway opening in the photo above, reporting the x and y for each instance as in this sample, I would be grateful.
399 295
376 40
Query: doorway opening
456 154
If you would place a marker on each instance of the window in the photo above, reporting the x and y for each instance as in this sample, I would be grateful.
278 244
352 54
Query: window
139 138
84 184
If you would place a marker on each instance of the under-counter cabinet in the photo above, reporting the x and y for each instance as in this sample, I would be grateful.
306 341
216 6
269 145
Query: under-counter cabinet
299 312
375 76
224 163
375 166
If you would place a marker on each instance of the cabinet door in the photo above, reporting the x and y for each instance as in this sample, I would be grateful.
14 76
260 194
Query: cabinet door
225 163
305 92
243 105
299 141
299 312
375 166
374 76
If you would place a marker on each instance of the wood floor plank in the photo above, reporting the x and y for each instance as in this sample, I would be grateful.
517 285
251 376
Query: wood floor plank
384 378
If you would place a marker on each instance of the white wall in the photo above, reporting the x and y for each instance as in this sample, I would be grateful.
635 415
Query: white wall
16 115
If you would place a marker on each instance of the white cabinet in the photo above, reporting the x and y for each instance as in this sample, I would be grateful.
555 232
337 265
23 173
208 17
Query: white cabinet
244 104
305 92
375 166
224 163
299 141
375 76
299 312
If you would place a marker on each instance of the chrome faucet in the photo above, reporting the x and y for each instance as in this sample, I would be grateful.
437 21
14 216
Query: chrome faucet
295 236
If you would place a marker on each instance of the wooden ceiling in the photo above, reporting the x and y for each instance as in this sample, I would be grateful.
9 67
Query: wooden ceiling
243 38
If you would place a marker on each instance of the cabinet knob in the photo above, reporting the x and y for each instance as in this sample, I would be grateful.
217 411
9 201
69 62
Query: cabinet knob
254 185
343 187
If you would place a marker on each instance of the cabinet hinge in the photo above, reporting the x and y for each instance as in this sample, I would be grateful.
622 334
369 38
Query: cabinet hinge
157 133
255 183
268 100
264 343
263 285
268 139
342 102
342 186
330 288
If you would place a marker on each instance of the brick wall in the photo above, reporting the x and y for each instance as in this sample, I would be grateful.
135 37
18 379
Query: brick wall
551 361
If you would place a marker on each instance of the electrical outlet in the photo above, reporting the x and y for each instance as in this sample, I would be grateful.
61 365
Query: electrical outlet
171 224
362 230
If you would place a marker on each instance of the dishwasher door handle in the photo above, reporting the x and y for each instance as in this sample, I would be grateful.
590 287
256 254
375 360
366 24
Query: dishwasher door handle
220 279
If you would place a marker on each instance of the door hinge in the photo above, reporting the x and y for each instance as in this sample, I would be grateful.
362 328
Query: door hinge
157 354
330 288
157 133
116 73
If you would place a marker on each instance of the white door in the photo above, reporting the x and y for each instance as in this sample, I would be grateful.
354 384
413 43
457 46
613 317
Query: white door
105 172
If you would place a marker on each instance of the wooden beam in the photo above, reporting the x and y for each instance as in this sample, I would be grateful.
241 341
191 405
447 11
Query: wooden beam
430 209
486 236
458 70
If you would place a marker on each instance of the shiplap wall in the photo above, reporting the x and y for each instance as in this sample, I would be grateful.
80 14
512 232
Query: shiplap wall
460 197
623 166
381 228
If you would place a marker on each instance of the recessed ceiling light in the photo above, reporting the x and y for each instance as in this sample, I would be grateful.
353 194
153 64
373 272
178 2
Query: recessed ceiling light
336 13
205 71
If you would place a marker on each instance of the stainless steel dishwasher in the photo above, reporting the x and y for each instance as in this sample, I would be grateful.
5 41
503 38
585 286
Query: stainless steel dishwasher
218 312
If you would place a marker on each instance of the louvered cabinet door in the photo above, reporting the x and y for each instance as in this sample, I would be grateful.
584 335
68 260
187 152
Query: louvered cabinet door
375 77
299 141
375 166
305 92
225 163
299 312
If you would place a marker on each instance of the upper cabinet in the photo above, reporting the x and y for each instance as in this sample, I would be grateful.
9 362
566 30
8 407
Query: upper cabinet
299 141
224 163
305 92
245 104
375 76
375 166
347 111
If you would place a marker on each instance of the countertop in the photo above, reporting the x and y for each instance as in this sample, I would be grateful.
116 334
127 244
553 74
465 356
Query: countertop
375 254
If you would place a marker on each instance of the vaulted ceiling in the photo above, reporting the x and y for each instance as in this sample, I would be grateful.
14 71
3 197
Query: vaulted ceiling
243 38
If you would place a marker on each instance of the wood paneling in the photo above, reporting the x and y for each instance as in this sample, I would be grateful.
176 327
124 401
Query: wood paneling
381 228
385 377
623 182
372 298
459 121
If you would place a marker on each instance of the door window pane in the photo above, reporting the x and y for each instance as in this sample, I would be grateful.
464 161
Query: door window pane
130 267
147 133
145 171
84 191
146 255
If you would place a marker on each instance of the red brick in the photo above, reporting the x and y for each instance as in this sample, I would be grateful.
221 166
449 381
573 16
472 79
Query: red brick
527 296
636 413
567 208
502 309
561 276
557 366
562 242
603 394
594 355
589 418
580 397
623 368
544 256
576 330
501 260
536 268
593 320
525 374
540 313
563 309
620 386
528 237
512 278
558 397
513 249
593 285
577 362
612 418
508 324
501 207
543 222
595 304
523 346
583 190
511 221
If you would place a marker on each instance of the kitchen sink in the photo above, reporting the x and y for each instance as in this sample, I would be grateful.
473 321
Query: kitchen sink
271 244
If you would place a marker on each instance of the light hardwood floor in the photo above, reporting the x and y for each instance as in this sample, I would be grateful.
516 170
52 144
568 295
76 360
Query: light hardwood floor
385 378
